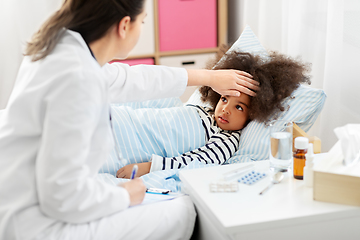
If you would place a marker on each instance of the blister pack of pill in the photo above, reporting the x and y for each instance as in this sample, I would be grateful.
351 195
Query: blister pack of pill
222 186
251 177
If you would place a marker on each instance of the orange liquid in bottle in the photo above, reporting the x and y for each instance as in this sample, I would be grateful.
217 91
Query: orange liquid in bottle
299 163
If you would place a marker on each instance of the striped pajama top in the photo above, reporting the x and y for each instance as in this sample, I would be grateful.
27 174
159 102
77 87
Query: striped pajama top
220 145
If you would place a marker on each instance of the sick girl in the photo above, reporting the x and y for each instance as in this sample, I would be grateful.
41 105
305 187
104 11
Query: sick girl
278 77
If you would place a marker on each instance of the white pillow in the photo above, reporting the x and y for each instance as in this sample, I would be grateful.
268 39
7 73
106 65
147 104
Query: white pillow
305 104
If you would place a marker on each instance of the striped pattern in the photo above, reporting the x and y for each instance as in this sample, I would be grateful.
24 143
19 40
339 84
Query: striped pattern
129 125
220 146
163 130
305 105
159 103
248 42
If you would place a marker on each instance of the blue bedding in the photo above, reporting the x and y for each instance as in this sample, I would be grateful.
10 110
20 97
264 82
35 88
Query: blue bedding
167 128
168 179
163 127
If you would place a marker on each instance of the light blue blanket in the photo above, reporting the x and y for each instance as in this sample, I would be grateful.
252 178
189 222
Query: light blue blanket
164 127
167 179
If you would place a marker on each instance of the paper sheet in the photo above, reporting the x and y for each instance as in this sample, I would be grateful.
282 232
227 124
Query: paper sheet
152 198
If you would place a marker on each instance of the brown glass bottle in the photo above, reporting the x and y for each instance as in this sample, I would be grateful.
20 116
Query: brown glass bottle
301 145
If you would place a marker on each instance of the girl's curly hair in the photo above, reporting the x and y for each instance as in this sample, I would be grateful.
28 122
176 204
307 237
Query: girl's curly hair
278 76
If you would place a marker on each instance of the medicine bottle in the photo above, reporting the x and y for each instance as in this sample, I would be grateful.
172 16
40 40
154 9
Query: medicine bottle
309 167
301 145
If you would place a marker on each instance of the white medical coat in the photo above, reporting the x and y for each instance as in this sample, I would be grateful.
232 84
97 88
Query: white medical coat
55 135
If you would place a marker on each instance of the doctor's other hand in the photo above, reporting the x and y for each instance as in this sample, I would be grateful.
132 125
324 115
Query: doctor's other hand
232 82
136 189
125 172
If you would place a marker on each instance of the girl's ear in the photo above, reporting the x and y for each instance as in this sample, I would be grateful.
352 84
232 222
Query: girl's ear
123 27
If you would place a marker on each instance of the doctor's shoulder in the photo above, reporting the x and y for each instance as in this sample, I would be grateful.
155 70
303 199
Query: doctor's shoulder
71 58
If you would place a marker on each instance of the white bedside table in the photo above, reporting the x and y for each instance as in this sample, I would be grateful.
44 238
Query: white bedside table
286 211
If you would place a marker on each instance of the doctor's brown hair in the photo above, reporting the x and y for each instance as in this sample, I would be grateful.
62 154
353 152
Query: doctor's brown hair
91 18
278 76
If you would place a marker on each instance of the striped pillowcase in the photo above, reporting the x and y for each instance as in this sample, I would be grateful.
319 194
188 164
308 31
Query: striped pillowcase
248 42
305 105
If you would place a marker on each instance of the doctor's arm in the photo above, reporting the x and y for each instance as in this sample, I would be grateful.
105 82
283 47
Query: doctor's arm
147 82
67 158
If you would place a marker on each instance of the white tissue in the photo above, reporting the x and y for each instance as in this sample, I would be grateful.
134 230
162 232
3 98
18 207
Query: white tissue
349 137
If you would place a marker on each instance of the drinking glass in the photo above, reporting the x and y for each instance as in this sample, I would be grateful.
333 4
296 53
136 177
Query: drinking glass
281 155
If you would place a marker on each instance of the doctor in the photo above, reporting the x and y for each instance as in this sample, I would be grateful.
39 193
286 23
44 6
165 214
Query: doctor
55 132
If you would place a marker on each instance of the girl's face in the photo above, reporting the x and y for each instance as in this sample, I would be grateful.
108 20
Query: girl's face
232 113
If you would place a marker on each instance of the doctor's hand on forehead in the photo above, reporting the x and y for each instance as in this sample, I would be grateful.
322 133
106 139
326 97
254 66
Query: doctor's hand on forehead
224 82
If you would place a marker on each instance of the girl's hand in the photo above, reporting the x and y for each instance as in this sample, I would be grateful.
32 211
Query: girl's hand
136 189
125 172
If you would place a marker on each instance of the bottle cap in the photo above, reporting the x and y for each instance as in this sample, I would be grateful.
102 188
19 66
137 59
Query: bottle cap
301 143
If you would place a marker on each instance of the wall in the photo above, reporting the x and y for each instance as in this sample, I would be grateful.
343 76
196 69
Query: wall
323 33
19 19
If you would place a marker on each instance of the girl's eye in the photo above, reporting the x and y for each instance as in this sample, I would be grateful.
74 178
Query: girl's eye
238 107
223 99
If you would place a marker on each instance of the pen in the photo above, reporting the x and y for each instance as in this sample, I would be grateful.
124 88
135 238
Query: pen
134 171
157 190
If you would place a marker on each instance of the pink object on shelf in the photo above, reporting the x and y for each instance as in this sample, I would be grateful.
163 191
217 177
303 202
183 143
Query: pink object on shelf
187 24
131 62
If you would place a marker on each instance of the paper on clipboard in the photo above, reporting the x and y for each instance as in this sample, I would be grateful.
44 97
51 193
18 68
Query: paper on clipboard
152 198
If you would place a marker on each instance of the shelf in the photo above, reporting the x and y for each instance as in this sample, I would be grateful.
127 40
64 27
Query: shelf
151 38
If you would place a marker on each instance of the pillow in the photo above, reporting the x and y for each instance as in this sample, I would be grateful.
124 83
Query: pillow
305 105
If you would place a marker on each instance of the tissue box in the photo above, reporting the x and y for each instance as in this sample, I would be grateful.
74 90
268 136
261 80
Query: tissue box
335 182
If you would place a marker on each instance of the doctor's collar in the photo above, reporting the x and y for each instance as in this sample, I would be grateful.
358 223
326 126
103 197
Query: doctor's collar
78 35
92 54
87 44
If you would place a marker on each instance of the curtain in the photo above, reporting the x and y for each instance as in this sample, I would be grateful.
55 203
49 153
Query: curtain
19 19
325 33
